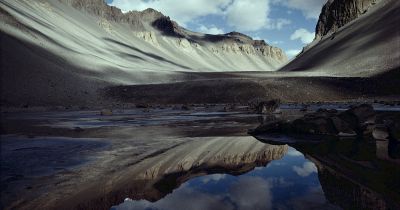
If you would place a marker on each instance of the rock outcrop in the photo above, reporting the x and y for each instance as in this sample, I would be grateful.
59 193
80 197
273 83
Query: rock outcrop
353 38
356 121
337 13
266 107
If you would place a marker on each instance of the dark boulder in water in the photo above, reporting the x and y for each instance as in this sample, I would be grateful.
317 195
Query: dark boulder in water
359 117
106 112
323 122
266 107
276 126
355 121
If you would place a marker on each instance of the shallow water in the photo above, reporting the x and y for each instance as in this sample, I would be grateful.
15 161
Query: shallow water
201 158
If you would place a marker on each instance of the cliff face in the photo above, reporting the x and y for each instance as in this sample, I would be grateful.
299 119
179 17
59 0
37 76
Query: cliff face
337 13
353 38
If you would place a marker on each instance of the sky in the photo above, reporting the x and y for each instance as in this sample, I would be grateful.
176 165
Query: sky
287 24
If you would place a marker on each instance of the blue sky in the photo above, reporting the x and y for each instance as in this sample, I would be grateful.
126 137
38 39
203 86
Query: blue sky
287 24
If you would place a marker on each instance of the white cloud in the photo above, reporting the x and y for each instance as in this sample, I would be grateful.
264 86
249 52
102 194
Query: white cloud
292 52
310 8
181 11
282 22
242 15
210 30
248 15
303 35
307 169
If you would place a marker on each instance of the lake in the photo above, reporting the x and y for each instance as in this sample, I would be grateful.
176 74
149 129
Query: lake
169 158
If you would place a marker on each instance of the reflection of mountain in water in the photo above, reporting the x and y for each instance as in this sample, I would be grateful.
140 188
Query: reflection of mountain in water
354 174
154 178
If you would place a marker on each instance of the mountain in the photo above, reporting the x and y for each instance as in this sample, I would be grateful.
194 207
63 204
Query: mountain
353 38
91 33
336 14
62 51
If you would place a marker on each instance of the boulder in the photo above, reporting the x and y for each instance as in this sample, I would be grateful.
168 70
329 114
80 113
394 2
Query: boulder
277 126
314 125
142 106
106 112
78 129
352 122
342 127
359 118
363 114
185 107
267 107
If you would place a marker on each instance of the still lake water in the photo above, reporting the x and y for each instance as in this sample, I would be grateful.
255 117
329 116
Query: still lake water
288 183
170 159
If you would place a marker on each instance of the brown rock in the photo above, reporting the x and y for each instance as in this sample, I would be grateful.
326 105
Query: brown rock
276 126
337 13
106 112
266 107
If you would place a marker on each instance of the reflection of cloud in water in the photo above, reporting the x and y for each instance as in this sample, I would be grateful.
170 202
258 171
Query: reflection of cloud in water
184 198
277 164
307 169
293 152
246 193
314 198
251 193
279 181
213 177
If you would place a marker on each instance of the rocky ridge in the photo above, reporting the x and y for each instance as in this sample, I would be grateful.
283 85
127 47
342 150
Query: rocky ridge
353 38
149 24
337 13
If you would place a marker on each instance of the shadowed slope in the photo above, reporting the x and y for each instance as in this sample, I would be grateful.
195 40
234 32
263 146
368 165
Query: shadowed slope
366 46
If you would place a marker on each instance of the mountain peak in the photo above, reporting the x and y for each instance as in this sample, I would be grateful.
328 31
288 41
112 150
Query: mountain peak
238 34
